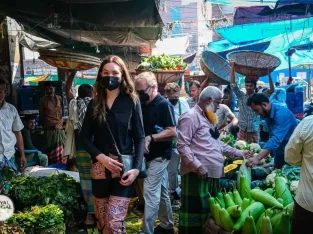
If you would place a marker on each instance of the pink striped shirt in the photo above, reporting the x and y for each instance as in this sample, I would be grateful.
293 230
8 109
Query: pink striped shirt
197 147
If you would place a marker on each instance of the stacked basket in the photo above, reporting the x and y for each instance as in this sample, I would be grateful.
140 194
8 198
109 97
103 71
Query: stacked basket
69 60
215 68
164 77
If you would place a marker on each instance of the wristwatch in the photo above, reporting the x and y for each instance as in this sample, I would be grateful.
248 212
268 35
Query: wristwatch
152 139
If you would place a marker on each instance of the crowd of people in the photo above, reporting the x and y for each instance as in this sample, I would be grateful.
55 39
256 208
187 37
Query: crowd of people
175 137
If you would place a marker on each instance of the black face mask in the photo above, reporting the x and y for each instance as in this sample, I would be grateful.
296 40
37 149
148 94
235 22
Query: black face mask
110 82
143 96
173 101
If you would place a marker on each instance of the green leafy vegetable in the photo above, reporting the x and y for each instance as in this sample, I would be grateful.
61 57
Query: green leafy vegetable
163 62
40 220
59 189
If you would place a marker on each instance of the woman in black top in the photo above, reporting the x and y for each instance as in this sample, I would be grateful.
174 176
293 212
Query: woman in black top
116 102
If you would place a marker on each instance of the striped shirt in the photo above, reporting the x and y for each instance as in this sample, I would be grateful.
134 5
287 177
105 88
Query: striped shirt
248 121
299 152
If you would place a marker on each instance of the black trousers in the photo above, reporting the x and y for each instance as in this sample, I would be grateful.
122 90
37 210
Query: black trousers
302 220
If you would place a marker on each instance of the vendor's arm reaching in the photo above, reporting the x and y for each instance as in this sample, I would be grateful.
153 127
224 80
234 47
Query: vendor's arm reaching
234 86
280 130
68 86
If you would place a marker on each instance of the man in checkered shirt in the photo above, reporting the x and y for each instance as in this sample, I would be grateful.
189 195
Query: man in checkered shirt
249 122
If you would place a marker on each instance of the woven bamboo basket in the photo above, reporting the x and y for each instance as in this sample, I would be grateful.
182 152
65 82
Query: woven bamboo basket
164 77
199 78
215 67
252 63
69 60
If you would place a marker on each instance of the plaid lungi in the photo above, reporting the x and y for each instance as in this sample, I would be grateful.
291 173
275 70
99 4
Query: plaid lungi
55 141
83 163
194 209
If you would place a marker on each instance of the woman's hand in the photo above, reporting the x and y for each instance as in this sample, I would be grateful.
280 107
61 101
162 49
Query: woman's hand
129 177
112 165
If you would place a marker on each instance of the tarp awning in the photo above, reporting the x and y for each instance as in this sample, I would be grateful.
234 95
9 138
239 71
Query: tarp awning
84 23
254 32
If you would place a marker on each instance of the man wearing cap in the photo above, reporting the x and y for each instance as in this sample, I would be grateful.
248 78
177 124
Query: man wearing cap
249 121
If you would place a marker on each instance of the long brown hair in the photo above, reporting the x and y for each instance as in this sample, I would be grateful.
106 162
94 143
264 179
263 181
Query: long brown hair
127 86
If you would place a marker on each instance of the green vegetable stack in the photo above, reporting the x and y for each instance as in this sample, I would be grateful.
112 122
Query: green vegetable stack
40 220
61 190
163 63
254 211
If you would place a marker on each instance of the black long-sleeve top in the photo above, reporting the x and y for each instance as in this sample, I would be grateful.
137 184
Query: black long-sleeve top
125 121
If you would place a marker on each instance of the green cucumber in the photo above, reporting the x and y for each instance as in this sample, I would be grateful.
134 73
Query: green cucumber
228 201
227 222
276 218
282 190
237 198
221 199
211 202
249 226
283 226
245 203
268 213
266 226
216 214
255 210
270 191
245 189
280 200
231 195
265 198
234 211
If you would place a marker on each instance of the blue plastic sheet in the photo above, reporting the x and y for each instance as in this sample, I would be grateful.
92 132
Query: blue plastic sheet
255 32
280 2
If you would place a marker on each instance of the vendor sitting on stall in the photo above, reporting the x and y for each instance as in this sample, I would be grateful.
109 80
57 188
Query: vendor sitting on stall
280 121
10 134
30 124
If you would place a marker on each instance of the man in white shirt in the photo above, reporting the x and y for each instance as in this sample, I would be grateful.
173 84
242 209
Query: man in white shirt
180 105
299 152
10 134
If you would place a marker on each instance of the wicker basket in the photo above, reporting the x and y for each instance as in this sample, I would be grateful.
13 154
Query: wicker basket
215 67
164 77
197 78
253 64
69 60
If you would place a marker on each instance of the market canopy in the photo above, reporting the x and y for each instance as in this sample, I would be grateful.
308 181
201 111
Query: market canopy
254 32
106 24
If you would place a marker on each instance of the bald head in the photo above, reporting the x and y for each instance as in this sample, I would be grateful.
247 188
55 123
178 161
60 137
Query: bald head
210 96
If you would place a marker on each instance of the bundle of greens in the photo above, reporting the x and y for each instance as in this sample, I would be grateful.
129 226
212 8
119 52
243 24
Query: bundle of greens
163 62
11 229
47 219
59 189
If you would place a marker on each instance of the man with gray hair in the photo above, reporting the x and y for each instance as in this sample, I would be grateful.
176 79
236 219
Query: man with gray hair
202 159
160 129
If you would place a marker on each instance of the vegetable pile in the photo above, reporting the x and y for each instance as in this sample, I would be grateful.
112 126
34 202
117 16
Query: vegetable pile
163 63
59 189
252 211
47 219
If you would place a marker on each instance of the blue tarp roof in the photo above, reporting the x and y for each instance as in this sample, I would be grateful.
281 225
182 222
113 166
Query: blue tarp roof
258 31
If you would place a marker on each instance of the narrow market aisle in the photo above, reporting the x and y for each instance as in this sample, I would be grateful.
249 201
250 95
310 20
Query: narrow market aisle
133 221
